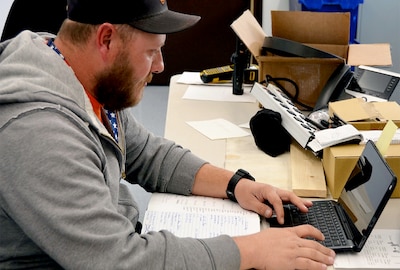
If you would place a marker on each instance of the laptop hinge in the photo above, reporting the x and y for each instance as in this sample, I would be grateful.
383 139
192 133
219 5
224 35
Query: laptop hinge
345 221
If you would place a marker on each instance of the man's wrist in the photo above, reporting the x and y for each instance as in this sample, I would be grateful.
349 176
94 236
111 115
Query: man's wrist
239 174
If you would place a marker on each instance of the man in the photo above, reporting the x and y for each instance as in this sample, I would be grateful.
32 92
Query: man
67 140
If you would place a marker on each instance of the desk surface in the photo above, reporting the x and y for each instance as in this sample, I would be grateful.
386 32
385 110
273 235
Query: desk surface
239 152
229 153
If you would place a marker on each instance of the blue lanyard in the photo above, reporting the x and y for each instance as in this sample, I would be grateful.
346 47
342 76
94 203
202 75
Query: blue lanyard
51 44
112 117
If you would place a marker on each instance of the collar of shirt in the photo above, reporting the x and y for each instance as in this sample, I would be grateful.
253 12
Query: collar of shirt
97 107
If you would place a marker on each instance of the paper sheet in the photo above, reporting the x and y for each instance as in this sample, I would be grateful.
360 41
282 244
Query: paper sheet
218 129
381 251
197 216
374 136
190 78
193 78
217 93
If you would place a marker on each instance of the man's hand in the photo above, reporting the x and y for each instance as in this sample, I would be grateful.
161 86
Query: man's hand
252 196
284 248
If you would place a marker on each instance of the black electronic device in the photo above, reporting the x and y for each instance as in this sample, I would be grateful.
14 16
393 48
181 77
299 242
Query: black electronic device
375 84
358 208
289 48
334 88
217 74
241 61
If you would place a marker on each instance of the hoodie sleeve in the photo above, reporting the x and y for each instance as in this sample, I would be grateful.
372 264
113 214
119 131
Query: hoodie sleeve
156 163
57 205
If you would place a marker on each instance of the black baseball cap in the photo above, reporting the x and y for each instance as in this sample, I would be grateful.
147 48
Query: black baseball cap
152 16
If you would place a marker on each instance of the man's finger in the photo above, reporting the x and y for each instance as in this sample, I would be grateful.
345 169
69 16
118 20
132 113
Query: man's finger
304 231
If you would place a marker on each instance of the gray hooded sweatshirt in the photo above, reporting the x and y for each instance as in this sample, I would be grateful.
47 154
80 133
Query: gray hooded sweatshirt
62 204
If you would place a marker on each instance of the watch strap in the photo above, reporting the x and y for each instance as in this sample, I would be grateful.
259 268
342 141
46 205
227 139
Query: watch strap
239 174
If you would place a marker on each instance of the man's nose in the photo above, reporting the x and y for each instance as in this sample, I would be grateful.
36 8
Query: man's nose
158 64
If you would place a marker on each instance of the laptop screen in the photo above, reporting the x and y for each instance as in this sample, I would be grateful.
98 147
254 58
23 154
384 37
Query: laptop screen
367 190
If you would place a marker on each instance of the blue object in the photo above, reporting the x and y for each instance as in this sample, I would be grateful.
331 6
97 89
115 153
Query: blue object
336 6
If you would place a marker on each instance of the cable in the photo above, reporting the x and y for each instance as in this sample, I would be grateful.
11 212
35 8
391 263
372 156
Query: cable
294 99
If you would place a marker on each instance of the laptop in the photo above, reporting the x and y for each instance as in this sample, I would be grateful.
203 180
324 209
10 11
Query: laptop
348 222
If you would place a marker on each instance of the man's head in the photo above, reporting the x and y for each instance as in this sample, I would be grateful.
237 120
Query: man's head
117 45
121 83
152 16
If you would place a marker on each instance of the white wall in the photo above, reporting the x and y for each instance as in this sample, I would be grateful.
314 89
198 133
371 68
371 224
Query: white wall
378 22
4 9
269 5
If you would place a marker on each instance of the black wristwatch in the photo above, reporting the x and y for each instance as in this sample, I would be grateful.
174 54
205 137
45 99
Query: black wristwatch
239 174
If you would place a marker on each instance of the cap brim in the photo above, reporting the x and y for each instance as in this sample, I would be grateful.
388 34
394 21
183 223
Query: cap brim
166 23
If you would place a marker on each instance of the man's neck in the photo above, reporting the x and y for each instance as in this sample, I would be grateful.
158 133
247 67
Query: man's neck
81 62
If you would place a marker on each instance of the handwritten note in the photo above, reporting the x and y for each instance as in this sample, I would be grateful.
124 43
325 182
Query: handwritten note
197 216
382 251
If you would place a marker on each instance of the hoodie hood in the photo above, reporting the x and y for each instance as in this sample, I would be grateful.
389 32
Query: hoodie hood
30 71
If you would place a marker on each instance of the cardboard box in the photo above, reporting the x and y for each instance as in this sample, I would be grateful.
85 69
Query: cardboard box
366 115
327 31
339 161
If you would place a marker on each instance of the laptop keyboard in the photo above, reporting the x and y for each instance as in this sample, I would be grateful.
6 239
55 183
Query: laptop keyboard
320 216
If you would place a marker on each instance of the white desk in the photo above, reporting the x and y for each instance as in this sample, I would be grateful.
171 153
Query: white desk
223 153
181 110
239 152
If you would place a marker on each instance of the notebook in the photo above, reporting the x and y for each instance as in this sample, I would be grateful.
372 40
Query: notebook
355 213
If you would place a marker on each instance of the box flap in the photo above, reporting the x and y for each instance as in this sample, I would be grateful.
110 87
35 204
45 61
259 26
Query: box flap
393 151
250 32
369 55
312 27
388 110
349 109
328 31
346 151
357 109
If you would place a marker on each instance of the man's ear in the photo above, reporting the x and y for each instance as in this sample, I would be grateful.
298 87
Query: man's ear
105 36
